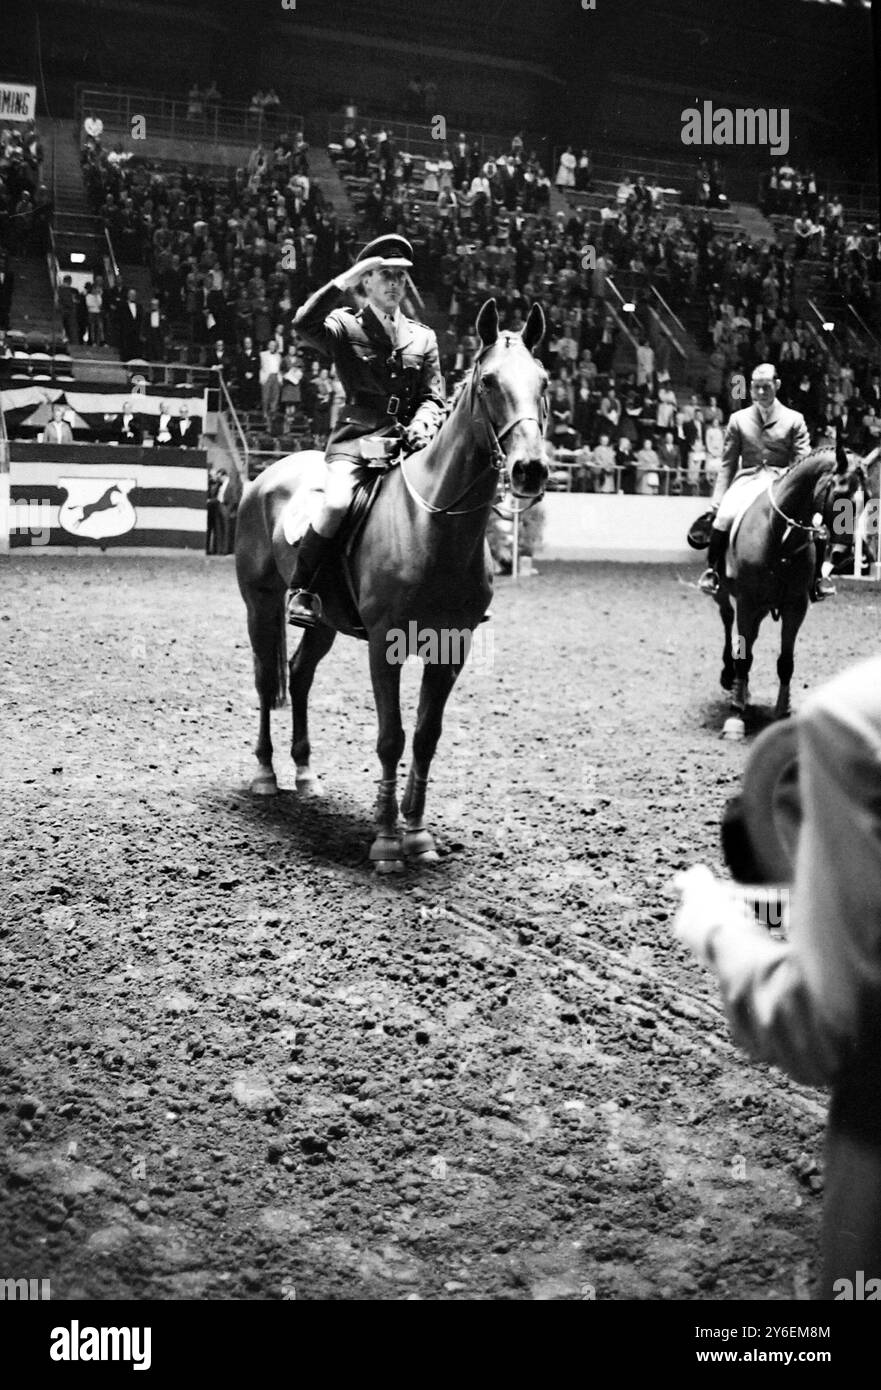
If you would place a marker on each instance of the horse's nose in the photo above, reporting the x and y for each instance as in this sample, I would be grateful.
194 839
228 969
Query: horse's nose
529 476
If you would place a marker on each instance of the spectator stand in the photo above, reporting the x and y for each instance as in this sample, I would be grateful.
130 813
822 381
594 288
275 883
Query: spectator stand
93 408
181 117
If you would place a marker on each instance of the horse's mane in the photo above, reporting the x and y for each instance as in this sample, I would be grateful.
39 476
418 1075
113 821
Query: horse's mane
821 458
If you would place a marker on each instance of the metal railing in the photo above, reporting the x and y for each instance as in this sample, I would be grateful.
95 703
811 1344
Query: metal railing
859 198
174 375
52 267
607 165
666 307
623 326
243 463
416 137
110 260
671 481
117 107
847 338
668 333
864 326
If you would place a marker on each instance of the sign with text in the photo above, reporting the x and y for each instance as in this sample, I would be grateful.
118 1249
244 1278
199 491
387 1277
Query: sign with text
17 103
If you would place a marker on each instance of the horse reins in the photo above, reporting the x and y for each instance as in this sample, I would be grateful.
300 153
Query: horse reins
495 465
792 524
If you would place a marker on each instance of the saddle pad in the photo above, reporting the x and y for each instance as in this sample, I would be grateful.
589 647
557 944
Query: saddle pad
299 512
747 492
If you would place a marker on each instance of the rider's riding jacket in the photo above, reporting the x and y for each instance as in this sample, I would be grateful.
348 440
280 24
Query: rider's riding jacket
386 383
754 443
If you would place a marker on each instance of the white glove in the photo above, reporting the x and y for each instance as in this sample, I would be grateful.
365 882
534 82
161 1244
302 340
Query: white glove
349 278
416 436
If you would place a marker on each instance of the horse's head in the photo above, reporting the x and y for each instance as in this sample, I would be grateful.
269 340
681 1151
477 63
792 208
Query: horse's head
840 491
508 389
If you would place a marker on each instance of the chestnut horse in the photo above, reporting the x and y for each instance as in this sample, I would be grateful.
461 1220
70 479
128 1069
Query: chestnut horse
773 559
420 565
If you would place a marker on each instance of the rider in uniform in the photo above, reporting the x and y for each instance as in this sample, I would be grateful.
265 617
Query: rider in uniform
389 367
766 438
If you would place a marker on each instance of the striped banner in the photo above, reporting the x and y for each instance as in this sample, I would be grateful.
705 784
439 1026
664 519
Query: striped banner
101 496
95 406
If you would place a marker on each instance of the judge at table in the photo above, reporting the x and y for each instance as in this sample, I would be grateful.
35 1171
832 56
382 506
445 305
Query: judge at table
57 431
129 429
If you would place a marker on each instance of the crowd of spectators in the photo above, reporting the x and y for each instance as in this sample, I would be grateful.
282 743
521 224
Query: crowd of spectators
231 260
820 230
172 428
480 227
25 202
785 190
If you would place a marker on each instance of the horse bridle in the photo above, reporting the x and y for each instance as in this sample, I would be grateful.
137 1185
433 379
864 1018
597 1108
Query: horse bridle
811 531
498 457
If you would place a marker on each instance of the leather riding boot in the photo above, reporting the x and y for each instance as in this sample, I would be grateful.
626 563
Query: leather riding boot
709 580
304 607
822 587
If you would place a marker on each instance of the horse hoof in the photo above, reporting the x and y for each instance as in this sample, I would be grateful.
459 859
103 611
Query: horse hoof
389 866
734 728
385 854
419 846
264 784
309 786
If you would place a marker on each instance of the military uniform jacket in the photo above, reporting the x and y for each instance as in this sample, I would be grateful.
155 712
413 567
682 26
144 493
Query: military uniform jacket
753 443
384 382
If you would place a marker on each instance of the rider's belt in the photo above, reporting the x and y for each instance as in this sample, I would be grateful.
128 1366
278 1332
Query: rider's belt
370 400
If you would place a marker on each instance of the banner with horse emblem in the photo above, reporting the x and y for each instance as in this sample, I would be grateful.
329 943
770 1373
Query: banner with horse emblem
109 496
97 507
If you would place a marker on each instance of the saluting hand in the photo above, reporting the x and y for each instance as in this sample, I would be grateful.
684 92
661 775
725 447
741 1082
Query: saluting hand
356 272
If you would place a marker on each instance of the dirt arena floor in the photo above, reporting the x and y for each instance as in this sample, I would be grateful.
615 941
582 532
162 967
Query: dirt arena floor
237 1065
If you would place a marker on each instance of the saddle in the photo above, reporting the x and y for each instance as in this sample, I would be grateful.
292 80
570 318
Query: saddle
377 453
298 516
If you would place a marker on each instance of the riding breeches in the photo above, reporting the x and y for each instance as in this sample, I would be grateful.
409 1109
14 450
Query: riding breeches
749 484
342 474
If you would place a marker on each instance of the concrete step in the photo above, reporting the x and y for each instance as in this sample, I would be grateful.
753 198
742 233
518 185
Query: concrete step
33 304
103 364
323 170
754 222
70 193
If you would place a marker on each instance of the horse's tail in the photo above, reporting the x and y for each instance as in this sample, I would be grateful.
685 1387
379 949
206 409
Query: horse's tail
280 653
267 628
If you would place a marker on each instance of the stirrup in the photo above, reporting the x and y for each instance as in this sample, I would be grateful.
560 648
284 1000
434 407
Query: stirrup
304 608
823 590
709 583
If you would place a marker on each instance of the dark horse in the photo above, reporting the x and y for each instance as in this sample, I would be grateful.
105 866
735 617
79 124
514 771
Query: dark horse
420 566
773 558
